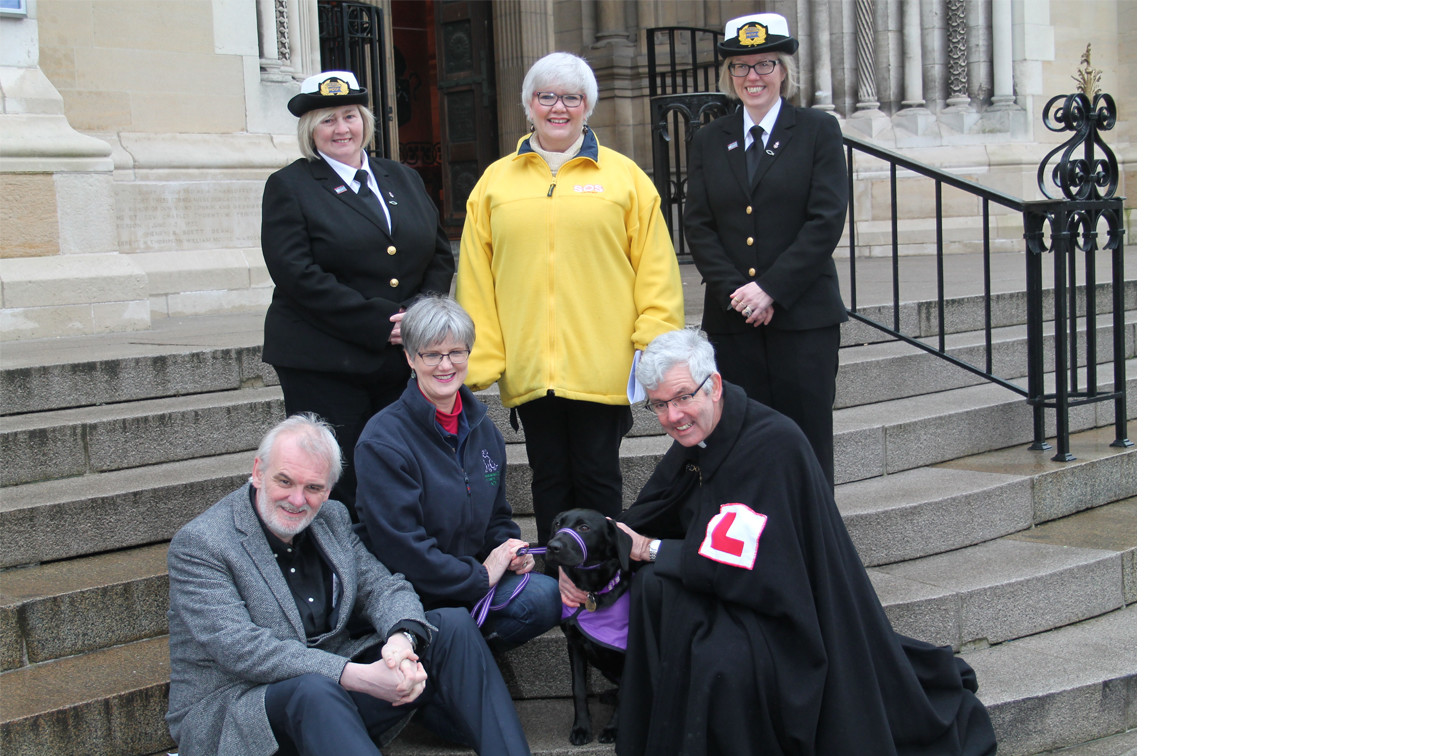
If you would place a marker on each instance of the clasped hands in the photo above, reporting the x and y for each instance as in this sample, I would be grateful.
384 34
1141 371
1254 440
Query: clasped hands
397 676
753 303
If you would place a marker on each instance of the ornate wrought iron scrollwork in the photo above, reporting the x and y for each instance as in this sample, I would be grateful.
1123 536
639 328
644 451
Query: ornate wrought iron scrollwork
1086 176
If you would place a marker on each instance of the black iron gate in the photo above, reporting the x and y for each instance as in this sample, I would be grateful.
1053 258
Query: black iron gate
352 38
684 72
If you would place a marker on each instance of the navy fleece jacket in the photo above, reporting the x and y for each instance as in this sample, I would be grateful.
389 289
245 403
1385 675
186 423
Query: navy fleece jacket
431 505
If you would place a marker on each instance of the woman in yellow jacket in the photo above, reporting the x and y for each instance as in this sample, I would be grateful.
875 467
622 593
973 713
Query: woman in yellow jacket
567 268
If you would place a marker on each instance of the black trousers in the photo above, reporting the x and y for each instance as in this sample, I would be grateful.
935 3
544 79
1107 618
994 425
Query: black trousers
347 401
465 701
793 373
574 451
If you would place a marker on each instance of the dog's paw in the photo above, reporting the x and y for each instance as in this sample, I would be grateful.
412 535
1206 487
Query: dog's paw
581 735
607 735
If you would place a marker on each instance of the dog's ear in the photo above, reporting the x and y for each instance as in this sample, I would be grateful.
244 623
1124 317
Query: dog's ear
623 543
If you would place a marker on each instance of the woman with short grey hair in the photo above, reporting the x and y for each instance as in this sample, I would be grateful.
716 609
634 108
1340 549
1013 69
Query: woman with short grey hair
431 501
567 267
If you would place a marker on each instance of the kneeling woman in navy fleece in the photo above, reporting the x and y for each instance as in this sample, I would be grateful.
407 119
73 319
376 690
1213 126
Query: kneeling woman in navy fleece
430 500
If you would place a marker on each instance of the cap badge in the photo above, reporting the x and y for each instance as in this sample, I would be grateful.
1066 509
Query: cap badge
751 34
333 86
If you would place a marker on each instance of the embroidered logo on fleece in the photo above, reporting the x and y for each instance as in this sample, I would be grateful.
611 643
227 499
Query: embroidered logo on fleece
581 188
492 470
733 536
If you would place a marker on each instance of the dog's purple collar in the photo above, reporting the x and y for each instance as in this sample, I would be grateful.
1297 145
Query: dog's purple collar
584 553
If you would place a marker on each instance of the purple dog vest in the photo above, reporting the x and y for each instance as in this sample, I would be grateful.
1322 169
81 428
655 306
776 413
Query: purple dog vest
610 627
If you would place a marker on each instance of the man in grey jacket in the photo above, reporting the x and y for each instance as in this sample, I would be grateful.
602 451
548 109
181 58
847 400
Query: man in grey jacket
274 612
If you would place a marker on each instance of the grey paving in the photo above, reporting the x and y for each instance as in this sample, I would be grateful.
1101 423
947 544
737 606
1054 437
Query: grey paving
1068 686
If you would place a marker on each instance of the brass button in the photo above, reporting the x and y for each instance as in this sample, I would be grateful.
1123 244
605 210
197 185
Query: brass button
394 282
390 250
749 209
752 272
749 241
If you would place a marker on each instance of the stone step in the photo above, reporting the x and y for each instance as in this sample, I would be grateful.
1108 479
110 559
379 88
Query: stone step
1011 587
1070 685
1119 744
78 441
108 701
65 608
76 605
934 510
207 354
83 440
1063 687
178 356
71 442
889 437
1030 581
60 519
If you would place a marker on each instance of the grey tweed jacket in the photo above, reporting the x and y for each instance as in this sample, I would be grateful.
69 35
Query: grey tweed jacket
234 627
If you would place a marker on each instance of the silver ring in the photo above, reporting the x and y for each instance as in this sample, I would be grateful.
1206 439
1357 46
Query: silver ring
747 310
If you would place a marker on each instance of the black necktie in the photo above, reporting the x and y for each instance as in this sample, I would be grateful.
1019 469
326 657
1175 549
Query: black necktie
752 155
368 197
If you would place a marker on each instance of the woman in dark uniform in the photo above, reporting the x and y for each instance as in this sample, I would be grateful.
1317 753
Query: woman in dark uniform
763 218
349 240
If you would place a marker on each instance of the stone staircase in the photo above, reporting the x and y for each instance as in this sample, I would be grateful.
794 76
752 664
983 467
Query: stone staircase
1027 566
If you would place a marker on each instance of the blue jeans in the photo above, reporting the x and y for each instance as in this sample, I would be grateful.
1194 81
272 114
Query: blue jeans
527 615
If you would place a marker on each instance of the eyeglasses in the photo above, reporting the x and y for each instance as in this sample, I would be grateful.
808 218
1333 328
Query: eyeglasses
679 401
548 98
456 357
741 70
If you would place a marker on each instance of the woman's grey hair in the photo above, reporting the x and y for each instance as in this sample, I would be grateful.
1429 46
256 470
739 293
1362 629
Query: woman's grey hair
789 89
686 345
432 319
305 129
314 436
564 73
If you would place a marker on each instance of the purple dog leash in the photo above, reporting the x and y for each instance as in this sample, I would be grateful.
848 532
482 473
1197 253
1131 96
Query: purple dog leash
482 609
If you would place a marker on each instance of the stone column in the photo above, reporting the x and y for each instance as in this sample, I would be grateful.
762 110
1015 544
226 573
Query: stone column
61 272
820 34
914 125
868 121
957 63
610 23
913 91
1003 36
979 53
524 31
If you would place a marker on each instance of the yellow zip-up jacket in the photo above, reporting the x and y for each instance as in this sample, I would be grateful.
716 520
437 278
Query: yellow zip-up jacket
565 275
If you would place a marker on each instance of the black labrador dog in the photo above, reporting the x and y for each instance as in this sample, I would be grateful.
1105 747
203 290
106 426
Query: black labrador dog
596 556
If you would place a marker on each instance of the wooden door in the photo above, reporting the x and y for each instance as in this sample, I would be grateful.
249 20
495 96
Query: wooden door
465 62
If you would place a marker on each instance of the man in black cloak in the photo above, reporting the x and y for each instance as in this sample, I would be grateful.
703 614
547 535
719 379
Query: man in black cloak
756 630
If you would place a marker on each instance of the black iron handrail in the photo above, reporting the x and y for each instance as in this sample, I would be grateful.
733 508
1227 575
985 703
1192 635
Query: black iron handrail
1088 186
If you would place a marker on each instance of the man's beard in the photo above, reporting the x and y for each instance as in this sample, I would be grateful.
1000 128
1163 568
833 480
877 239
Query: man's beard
267 516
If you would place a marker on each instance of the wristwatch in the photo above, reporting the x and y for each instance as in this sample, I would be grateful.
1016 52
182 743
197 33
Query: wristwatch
414 642
655 549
